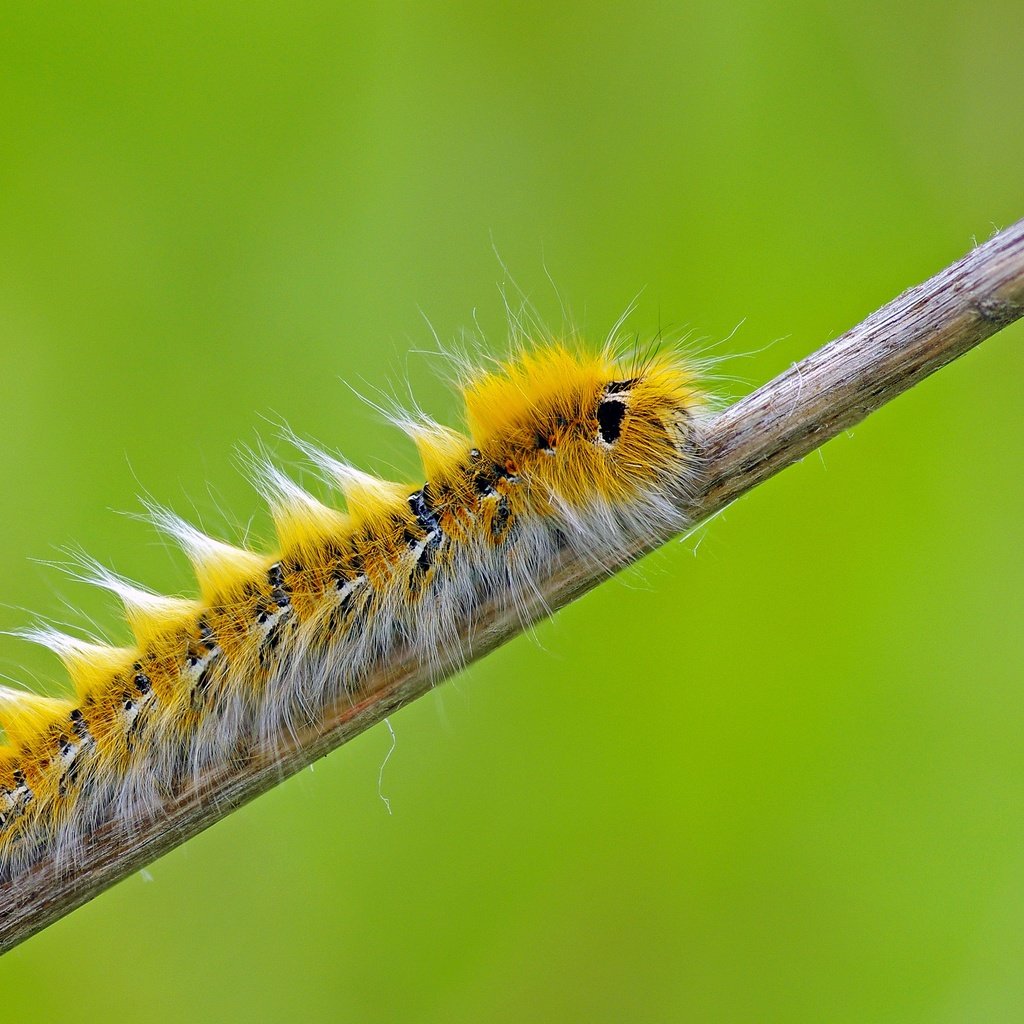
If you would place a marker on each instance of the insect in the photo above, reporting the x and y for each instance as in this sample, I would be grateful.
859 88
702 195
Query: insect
565 450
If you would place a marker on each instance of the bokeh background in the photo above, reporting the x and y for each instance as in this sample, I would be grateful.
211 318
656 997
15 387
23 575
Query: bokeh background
775 773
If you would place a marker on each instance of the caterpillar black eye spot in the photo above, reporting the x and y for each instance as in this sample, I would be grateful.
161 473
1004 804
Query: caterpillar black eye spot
610 414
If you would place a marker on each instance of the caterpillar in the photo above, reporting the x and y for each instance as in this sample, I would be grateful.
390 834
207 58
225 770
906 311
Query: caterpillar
565 450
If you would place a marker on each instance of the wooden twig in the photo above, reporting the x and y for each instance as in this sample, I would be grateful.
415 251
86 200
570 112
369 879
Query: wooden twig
829 391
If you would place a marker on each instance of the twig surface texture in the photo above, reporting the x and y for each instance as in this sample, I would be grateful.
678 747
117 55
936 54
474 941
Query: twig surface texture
829 391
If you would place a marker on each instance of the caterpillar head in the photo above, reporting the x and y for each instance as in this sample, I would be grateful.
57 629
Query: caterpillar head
576 428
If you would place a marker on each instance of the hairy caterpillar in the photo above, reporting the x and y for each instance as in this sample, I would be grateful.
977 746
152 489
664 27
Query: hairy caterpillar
565 450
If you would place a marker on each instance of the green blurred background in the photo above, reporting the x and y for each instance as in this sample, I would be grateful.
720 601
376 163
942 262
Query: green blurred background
776 777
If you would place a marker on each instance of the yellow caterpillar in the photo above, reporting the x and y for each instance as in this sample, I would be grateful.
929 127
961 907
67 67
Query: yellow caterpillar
565 450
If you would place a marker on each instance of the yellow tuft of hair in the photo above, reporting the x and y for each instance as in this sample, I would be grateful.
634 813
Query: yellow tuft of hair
499 403
368 498
301 522
158 616
218 567
26 717
91 666
439 447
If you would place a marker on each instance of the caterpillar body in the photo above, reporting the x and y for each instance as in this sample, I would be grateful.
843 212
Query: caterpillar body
566 450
